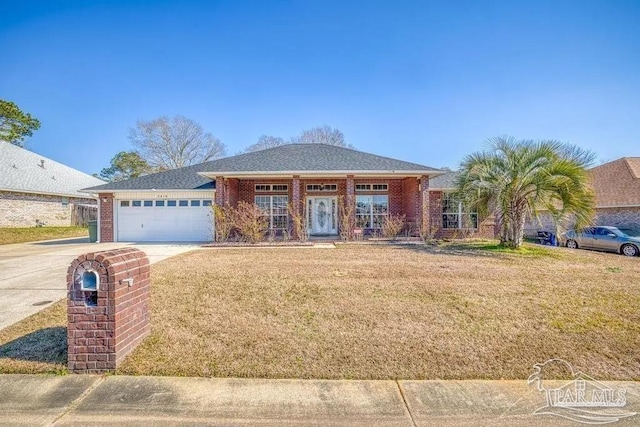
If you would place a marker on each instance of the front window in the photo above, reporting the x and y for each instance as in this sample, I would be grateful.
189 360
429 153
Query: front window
456 215
275 209
371 211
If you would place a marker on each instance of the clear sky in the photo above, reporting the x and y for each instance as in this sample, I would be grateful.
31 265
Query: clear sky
424 81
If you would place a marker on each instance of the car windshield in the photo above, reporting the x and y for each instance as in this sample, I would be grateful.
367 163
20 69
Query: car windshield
630 232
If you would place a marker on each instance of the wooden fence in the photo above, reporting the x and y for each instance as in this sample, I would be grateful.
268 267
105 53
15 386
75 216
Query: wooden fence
81 214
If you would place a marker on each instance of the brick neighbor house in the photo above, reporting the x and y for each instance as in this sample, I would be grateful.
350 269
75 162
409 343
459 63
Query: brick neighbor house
35 190
617 189
175 205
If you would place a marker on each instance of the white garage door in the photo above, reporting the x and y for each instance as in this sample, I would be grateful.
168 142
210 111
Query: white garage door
164 220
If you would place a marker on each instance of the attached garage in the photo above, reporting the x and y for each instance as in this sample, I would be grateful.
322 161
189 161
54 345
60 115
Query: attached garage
163 217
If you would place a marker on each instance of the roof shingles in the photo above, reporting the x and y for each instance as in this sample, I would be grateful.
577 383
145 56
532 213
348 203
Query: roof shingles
287 158
617 183
25 171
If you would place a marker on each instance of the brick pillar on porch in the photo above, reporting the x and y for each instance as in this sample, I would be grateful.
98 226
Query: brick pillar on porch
425 217
350 199
296 201
221 196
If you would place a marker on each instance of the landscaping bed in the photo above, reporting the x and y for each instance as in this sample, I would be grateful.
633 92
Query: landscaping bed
454 311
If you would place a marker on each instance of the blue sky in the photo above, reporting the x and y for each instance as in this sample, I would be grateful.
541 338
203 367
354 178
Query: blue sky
423 81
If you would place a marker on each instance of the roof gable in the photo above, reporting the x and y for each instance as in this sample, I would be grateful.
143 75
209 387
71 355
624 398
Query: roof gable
29 172
311 158
290 158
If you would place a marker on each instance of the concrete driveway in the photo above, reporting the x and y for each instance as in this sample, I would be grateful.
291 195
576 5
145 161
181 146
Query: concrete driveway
33 275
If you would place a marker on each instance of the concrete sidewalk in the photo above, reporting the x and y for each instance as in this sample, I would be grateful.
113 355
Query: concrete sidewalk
121 400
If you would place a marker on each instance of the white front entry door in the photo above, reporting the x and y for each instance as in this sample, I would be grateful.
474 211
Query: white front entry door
323 216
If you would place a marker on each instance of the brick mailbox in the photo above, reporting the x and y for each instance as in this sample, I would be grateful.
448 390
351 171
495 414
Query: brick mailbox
108 308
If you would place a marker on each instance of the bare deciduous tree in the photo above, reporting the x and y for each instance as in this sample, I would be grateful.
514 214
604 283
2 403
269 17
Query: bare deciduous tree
317 135
170 143
323 135
264 142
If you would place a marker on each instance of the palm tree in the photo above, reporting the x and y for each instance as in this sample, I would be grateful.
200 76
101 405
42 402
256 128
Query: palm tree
515 179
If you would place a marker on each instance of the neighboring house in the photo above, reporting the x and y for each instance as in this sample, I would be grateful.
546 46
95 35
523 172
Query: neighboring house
35 190
617 189
314 178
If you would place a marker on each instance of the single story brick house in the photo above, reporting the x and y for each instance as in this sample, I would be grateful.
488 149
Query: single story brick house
175 205
35 190
617 189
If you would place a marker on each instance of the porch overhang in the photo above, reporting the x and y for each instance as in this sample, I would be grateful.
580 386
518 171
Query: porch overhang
323 174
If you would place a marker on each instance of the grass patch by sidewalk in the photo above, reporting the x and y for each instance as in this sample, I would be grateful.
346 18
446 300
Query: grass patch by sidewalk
34 234
38 344
379 312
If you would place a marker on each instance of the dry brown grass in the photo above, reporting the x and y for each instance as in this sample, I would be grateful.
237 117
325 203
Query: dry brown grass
38 344
379 312
33 234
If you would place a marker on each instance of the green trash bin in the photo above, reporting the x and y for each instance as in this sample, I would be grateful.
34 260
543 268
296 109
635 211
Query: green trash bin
93 231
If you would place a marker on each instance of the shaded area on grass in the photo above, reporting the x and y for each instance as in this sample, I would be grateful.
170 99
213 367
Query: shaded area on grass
38 344
43 345
32 234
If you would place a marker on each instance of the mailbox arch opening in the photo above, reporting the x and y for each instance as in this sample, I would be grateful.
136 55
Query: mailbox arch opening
89 283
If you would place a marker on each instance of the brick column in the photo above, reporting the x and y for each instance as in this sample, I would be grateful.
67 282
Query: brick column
350 199
221 197
107 308
425 217
105 204
296 201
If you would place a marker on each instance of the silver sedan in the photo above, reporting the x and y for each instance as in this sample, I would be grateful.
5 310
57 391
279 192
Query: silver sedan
624 241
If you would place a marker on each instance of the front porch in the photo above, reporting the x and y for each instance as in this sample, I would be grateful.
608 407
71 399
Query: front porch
332 207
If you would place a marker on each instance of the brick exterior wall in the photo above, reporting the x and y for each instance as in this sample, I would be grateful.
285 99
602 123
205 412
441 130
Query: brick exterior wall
619 217
423 207
105 206
487 227
409 196
102 333
25 210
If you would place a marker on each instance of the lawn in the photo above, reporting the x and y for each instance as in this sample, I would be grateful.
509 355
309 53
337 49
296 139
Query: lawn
464 311
34 234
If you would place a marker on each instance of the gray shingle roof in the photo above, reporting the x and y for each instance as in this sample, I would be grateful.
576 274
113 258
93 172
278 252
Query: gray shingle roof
287 158
25 171
444 182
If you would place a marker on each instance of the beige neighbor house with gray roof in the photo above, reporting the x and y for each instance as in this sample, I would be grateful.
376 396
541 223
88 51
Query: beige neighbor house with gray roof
35 190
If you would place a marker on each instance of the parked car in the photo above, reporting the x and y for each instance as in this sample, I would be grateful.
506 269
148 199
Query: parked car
624 241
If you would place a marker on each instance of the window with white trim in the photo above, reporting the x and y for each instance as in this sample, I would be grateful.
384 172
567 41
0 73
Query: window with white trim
275 209
455 215
371 211
372 187
271 188
322 187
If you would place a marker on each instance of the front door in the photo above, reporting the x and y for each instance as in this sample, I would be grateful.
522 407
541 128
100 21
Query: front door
323 218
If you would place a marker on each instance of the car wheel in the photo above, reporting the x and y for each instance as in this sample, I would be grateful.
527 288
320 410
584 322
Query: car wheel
572 244
629 250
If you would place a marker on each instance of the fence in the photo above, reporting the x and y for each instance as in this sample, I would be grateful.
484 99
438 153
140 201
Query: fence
81 214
